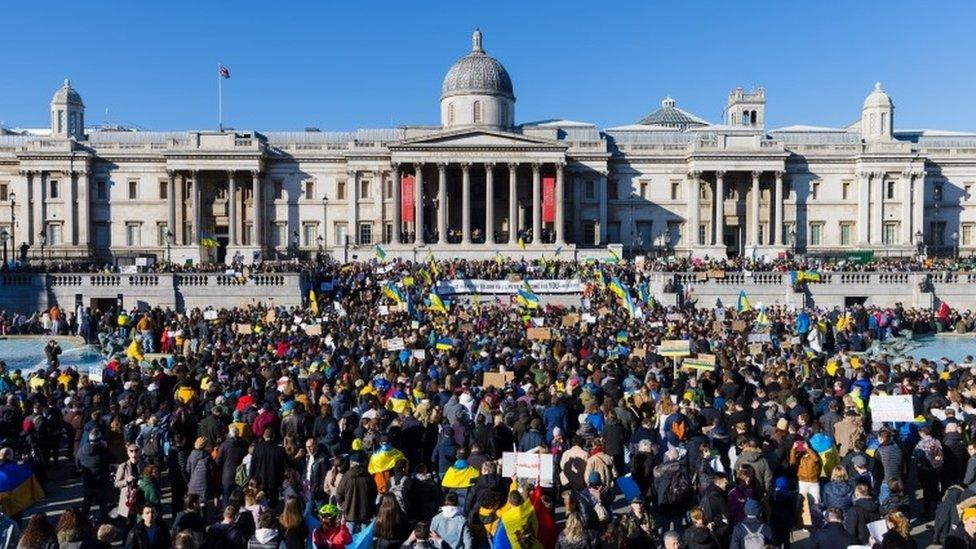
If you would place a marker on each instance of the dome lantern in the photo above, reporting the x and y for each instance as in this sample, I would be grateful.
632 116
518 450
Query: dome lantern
67 112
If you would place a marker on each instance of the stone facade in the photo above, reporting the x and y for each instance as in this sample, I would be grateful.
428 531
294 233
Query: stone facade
481 184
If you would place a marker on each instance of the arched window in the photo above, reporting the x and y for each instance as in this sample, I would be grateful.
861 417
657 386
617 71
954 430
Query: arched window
450 113
752 118
477 112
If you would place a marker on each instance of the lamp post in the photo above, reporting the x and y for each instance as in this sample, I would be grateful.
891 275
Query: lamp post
13 220
955 244
920 243
321 243
169 244
43 240
4 236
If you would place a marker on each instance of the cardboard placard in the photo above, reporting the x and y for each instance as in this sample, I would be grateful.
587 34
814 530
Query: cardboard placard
570 320
497 379
313 329
739 325
588 318
245 329
674 348
756 349
716 273
697 364
718 326
701 277
706 358
384 310
603 311
759 338
639 353
394 344
539 334
671 317
271 316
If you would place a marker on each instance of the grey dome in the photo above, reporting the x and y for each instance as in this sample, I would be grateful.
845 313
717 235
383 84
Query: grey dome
669 115
67 95
477 73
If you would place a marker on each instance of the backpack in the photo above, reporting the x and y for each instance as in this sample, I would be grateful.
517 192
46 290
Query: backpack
240 475
152 445
933 453
679 488
753 540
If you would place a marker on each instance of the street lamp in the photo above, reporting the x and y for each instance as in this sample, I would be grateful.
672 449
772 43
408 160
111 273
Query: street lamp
4 236
13 220
169 244
920 243
43 239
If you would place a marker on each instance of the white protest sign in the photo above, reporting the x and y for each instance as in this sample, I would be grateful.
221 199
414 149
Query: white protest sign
530 466
588 318
394 344
759 338
384 310
420 354
210 314
891 408
96 373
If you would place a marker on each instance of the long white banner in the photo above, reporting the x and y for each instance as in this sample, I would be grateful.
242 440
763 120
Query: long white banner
477 286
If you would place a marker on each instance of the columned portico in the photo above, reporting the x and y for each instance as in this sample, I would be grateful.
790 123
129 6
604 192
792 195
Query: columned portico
512 203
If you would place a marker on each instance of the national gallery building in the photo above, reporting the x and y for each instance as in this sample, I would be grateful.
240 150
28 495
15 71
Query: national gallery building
481 183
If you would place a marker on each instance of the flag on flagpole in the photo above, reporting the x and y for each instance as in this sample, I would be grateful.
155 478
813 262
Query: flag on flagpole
380 253
521 243
223 71
313 302
743 305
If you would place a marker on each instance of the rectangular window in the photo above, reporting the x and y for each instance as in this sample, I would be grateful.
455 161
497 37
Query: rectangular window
54 234
967 234
589 232
340 190
164 190
161 230
816 234
133 189
279 190
937 233
388 233
937 192
763 229
55 187
815 190
789 234
365 234
846 190
675 190
643 189
967 191
309 190
4 192
702 233
388 185
341 232
310 234
279 235
132 235
364 189
590 191
890 190
612 189
101 190
890 234
846 233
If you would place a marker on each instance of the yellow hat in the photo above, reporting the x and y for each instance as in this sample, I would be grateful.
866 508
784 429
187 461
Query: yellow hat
969 513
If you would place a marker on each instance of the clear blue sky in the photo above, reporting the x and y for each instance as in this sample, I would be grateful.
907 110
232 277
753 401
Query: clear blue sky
346 65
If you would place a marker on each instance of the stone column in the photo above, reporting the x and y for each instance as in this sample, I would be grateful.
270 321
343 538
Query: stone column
84 208
906 208
257 204
918 204
171 202
536 206
863 207
877 210
442 203
574 182
69 209
397 199
197 208
490 203
378 201
466 203
778 200
694 208
418 204
512 203
39 204
754 233
352 186
602 236
718 203
560 207
232 208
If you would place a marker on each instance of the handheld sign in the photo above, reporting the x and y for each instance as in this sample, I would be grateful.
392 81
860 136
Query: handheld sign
698 364
891 408
394 344
539 334
497 379
674 348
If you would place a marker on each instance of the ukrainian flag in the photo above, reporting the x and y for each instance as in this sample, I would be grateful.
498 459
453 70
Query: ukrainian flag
392 292
433 264
436 303
630 305
622 336
527 299
380 253
459 476
313 302
617 288
645 294
521 243
600 278
743 305
518 528
398 402
444 344
19 488
499 259
762 319
384 459
208 241
412 311
426 276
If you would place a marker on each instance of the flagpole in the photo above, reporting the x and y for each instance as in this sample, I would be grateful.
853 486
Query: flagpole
220 99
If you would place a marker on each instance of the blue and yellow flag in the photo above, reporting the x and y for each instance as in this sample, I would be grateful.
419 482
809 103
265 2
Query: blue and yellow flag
527 299
433 264
444 344
499 259
645 294
600 278
392 292
208 241
380 253
518 528
617 288
459 476
762 319
313 302
398 403
384 459
743 305
521 243
435 303
19 488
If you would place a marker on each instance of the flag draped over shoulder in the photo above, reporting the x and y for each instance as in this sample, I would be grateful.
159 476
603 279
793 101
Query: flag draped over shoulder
19 488
548 533
518 528
459 476
743 305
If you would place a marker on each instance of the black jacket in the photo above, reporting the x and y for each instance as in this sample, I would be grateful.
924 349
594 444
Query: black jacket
230 454
94 460
320 466
831 536
864 511
138 537
357 494
959 539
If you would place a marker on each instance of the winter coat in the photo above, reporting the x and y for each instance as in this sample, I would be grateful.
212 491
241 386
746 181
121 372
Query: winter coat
764 474
846 432
123 471
831 536
198 473
891 460
838 493
138 537
268 464
602 464
947 513
807 465
864 511
357 494
230 454
749 525
959 539
696 537
452 527
93 460
264 538
572 466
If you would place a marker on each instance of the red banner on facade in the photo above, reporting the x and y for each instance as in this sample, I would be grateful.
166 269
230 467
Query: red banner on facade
406 198
549 199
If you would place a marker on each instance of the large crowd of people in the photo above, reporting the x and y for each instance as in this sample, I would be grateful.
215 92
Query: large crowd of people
377 414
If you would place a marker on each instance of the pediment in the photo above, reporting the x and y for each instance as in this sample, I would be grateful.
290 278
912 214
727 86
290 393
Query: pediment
476 139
